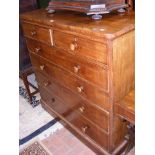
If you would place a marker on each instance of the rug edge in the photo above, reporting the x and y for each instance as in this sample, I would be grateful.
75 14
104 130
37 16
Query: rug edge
34 141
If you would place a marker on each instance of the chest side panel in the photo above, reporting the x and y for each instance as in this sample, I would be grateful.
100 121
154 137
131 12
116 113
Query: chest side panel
123 65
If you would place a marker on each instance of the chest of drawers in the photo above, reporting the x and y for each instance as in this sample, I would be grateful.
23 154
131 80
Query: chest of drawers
82 68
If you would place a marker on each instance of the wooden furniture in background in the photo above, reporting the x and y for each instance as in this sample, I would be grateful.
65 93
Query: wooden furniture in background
25 65
125 108
88 7
83 67
24 76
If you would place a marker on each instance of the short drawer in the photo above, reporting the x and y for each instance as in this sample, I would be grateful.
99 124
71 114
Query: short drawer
71 100
95 73
38 33
68 80
80 46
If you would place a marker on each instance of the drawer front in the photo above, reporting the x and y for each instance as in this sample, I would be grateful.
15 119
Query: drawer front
71 100
80 46
38 33
67 79
97 74
54 102
76 119
88 129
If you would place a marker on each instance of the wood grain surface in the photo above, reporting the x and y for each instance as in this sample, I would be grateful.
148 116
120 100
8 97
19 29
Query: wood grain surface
85 70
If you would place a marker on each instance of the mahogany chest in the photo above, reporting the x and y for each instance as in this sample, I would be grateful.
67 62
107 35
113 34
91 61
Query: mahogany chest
83 67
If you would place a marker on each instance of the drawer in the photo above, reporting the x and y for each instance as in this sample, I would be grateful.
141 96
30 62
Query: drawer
38 33
89 129
54 102
97 74
80 46
76 119
68 80
91 112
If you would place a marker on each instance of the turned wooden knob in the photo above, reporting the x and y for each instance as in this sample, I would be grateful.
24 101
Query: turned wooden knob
53 100
33 33
79 89
84 128
42 67
127 137
73 46
82 109
75 39
37 50
76 69
47 83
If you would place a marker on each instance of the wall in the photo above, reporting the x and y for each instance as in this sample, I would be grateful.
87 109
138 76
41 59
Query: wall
43 3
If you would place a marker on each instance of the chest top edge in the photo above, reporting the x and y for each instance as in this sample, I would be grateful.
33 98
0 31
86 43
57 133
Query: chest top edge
109 28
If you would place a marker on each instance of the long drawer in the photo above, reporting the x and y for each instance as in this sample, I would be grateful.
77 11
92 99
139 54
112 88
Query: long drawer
54 101
38 33
89 129
72 101
67 79
94 73
81 47
75 118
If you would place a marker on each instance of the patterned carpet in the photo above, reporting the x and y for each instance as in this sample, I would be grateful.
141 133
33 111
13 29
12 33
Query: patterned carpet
35 148
34 122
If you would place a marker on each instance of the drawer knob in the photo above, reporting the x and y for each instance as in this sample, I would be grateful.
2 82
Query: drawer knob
79 89
73 46
82 109
53 100
37 50
84 128
33 33
42 67
46 83
76 69
75 39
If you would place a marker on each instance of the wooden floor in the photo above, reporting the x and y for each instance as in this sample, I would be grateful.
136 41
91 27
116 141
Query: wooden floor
65 143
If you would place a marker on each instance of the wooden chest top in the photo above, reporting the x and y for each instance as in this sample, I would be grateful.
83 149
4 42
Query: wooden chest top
111 26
